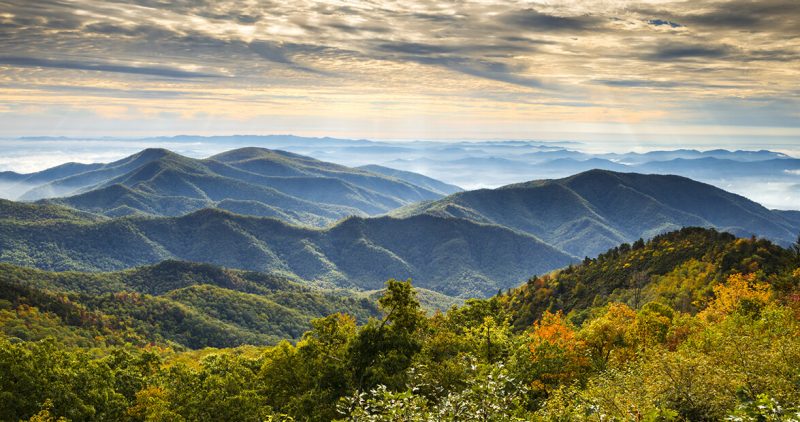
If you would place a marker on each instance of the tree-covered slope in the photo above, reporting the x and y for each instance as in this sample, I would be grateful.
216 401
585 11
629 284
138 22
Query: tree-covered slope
451 256
678 269
636 353
592 211
179 303
20 212
256 181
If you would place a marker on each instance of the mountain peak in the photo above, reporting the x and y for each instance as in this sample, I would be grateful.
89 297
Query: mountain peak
585 213
153 153
241 154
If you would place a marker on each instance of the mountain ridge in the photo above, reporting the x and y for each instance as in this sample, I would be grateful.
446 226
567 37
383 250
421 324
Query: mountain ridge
452 256
293 187
622 206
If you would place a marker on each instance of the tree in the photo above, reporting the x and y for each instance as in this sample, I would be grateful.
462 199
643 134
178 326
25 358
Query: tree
556 354
383 350
740 292
609 336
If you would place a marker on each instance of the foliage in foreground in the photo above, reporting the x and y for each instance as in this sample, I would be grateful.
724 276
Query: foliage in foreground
731 356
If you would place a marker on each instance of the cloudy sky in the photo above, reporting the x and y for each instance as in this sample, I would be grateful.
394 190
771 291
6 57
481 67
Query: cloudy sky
682 71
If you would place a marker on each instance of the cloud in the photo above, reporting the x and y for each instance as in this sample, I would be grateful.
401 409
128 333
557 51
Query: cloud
748 15
491 70
662 84
670 51
414 48
509 62
454 58
534 20
102 67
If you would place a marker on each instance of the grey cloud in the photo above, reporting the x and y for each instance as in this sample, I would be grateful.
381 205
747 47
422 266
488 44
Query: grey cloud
356 29
666 52
114 93
776 55
518 39
779 17
636 83
102 67
467 59
748 14
283 53
648 83
435 17
483 50
140 30
481 68
416 48
537 21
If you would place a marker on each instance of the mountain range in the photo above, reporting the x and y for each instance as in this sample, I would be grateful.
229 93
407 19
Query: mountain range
451 256
251 181
318 223
771 178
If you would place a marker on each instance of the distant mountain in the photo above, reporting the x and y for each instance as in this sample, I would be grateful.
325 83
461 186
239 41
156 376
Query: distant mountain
451 256
414 178
254 181
592 211
693 154
793 216
561 167
717 168
80 176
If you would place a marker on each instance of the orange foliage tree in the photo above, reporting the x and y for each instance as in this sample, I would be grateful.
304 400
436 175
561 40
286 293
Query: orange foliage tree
557 355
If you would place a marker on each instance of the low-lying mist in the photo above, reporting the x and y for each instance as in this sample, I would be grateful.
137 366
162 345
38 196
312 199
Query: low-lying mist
770 178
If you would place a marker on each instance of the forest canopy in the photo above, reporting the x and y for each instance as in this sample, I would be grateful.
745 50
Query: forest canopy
691 325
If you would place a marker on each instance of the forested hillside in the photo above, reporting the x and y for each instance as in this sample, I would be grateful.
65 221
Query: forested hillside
678 269
177 304
590 212
693 325
450 256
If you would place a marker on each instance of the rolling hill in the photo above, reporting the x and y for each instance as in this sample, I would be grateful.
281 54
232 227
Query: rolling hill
253 181
452 256
178 303
590 212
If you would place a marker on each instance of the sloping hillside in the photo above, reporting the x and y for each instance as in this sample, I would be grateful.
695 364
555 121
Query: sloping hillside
451 256
179 303
592 211
678 269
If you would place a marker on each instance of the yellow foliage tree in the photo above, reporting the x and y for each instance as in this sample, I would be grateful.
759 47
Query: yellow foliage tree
610 337
739 290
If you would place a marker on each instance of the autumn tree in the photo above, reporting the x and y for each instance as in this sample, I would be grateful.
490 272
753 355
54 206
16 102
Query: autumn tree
557 355
609 336
740 292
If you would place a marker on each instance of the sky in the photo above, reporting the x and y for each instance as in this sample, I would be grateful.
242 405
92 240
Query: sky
668 72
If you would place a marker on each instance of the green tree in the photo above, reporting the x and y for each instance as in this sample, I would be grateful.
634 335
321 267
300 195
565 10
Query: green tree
384 349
